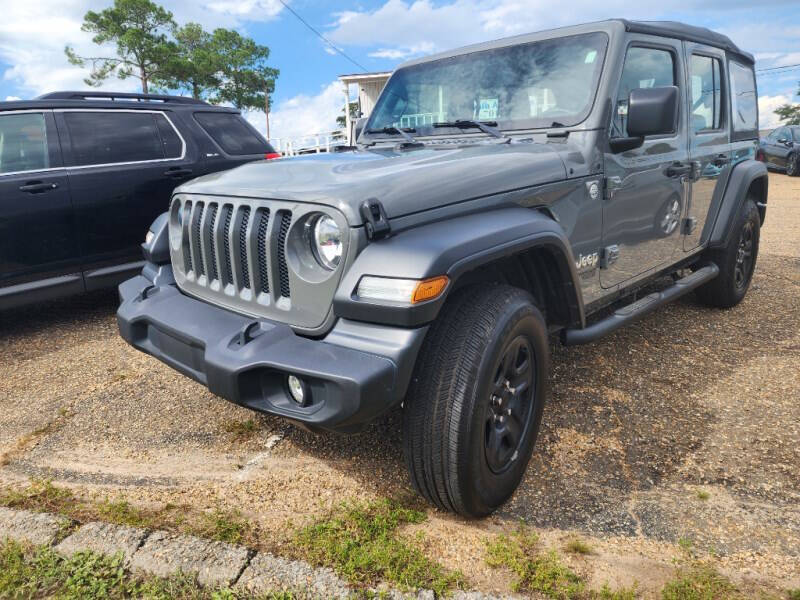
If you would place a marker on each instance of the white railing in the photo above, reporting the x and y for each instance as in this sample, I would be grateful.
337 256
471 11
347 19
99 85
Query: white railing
309 144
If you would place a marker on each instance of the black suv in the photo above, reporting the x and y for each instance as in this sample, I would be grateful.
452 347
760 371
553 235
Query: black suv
499 193
82 175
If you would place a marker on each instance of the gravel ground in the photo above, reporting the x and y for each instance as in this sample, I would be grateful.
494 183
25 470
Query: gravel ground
688 400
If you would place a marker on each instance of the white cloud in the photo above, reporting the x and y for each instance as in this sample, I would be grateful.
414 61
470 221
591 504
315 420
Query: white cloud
303 114
253 10
12 98
404 52
767 119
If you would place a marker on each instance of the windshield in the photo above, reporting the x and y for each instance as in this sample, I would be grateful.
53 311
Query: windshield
549 83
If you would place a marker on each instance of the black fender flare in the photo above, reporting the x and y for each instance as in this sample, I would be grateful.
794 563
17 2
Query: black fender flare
741 177
454 247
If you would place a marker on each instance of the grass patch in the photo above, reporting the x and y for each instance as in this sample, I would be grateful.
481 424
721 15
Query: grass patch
534 571
699 581
793 594
578 546
242 431
606 593
703 495
41 573
219 525
362 544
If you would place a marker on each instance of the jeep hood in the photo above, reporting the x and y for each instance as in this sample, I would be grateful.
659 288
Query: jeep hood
404 181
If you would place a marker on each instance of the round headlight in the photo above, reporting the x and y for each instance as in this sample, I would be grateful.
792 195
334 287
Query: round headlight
327 242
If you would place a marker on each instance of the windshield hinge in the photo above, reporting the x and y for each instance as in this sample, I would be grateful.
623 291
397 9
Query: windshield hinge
375 220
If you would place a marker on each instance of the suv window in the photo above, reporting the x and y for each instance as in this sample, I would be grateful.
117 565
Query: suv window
232 134
109 137
644 68
743 97
795 133
23 143
706 93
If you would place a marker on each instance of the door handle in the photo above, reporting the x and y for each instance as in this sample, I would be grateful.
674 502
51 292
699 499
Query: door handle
177 172
721 160
37 187
677 169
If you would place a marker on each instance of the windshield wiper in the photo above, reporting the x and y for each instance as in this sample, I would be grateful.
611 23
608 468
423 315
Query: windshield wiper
397 130
485 126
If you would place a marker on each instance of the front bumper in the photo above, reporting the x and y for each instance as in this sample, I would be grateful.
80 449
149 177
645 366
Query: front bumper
356 373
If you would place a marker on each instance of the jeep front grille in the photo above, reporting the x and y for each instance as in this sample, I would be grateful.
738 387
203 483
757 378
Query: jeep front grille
235 252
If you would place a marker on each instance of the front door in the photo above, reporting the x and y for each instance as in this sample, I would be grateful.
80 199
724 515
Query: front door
646 187
123 166
37 236
709 136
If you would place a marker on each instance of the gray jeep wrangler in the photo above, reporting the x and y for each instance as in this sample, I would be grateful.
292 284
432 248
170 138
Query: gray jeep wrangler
498 194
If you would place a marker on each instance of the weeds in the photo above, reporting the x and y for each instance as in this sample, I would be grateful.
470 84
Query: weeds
242 431
361 542
534 571
578 546
703 495
699 581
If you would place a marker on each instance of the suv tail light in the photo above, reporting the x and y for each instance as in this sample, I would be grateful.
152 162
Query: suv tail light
272 155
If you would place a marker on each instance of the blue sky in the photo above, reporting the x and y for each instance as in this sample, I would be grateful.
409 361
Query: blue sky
378 34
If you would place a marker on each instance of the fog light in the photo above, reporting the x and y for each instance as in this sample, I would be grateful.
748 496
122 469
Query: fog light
296 389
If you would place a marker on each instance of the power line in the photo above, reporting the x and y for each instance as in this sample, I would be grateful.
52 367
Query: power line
787 67
322 37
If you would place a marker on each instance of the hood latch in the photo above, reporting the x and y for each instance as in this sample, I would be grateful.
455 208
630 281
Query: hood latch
375 220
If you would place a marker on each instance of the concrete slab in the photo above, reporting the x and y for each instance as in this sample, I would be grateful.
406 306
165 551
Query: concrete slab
104 538
37 529
267 573
215 563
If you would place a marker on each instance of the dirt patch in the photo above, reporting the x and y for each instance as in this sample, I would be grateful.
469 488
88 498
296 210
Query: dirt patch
687 400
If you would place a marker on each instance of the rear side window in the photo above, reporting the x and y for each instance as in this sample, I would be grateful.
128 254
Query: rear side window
743 97
644 68
232 134
706 93
172 144
100 138
23 143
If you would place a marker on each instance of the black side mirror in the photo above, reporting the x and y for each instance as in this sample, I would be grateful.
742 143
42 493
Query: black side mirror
651 111
782 140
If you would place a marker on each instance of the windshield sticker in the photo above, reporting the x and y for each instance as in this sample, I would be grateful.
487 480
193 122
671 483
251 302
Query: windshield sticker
488 109
590 56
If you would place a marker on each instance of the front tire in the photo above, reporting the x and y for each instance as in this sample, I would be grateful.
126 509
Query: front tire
474 407
736 262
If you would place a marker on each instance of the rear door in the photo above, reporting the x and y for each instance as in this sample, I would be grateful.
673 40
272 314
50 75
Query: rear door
709 136
122 166
38 246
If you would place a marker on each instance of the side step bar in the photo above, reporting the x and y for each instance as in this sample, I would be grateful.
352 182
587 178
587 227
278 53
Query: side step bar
632 312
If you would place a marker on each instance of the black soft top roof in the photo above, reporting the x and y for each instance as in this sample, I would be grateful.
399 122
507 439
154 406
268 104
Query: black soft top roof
691 33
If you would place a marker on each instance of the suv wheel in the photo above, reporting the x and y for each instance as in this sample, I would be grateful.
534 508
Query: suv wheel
475 404
791 165
736 262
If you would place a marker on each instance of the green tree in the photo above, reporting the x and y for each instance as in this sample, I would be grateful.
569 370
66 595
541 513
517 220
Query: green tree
244 77
139 28
789 113
341 120
195 66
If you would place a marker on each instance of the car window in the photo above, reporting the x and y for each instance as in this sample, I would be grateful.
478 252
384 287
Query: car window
644 68
547 83
100 138
232 134
795 134
706 91
773 135
171 142
23 143
743 97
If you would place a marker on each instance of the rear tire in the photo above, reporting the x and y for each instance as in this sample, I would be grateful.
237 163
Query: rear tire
791 165
474 407
736 262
